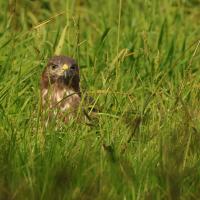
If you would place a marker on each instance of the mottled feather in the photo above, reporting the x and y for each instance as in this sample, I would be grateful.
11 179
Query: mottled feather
60 89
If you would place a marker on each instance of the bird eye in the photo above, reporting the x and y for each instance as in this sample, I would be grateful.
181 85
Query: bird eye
73 67
54 66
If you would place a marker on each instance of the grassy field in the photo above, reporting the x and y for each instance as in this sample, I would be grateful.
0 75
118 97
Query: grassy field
140 60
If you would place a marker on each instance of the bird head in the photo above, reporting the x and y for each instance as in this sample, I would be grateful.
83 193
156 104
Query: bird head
62 69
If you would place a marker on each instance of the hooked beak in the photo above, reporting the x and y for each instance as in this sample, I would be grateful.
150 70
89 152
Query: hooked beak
68 72
65 68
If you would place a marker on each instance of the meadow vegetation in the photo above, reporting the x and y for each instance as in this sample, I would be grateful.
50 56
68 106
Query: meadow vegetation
140 61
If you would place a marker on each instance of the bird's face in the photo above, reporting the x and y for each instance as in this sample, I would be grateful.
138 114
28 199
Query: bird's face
62 68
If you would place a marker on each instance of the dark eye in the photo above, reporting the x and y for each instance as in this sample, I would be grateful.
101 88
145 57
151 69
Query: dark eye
74 66
53 66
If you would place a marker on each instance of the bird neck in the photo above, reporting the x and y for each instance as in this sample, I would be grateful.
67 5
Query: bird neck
69 84
60 84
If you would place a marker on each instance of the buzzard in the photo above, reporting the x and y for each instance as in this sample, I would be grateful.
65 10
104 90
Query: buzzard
60 88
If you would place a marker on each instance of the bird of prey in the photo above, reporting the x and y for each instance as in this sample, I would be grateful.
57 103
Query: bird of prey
60 88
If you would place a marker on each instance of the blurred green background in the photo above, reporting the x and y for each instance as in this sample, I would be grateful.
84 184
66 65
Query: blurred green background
140 61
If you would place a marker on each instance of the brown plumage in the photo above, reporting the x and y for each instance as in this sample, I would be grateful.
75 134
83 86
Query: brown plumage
60 88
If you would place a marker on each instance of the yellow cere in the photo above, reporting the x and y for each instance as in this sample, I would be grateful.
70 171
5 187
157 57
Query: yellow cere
65 67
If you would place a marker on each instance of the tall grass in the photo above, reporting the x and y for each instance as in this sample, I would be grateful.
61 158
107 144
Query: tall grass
140 61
